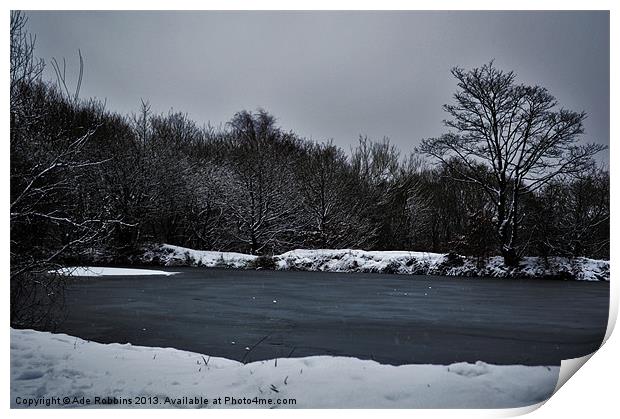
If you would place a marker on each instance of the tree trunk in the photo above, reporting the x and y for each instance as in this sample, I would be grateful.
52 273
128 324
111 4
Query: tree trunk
510 256
506 228
513 258
254 244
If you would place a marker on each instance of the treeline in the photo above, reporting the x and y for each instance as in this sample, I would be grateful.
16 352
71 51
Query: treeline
115 183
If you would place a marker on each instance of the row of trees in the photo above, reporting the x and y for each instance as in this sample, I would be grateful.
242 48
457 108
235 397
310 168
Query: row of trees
510 177
252 187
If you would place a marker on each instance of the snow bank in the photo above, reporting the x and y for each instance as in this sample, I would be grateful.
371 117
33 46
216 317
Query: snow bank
105 271
391 262
45 365
422 263
580 268
169 255
348 260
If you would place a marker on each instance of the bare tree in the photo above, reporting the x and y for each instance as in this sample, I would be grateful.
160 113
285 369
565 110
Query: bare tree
384 188
26 68
570 216
515 130
52 212
259 192
375 162
334 211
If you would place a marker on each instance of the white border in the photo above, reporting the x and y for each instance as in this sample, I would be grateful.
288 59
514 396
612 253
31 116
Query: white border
592 392
312 5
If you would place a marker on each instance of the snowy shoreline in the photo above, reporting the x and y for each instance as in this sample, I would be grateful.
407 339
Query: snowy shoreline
47 367
390 262
98 271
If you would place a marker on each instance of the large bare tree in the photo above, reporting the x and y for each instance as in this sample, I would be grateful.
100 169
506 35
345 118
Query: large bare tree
259 196
519 132
53 214
331 206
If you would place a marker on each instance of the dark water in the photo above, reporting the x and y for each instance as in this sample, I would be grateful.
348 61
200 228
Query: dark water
391 319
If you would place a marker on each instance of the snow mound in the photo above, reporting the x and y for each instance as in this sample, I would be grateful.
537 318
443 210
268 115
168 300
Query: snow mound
469 370
105 271
390 262
169 255
422 263
349 260
556 267
45 365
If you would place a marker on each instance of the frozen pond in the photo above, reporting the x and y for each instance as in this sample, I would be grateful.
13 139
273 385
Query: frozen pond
389 318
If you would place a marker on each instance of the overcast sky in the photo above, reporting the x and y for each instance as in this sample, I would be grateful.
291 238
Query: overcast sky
328 74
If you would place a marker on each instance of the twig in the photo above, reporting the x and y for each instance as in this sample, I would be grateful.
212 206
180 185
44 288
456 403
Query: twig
254 346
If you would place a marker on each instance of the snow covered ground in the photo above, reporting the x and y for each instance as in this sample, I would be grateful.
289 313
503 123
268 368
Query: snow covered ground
422 263
105 271
392 262
46 367
169 255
